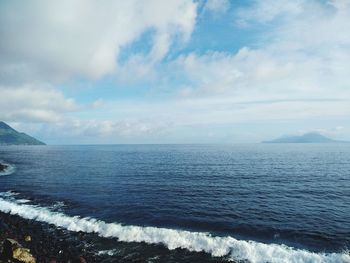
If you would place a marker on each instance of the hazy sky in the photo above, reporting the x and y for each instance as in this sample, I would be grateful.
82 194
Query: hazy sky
175 71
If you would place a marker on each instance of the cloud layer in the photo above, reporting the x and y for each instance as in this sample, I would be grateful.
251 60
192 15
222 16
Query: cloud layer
296 69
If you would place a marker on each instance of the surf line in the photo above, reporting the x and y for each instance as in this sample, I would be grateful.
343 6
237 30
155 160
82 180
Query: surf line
228 246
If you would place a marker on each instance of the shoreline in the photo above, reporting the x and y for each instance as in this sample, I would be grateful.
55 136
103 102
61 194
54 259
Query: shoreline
45 243
40 242
50 244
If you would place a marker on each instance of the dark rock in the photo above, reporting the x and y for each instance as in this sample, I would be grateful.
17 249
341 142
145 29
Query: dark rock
7 248
12 250
3 167
4 227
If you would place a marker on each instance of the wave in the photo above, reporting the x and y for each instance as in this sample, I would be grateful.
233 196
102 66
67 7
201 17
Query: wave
228 246
10 169
109 252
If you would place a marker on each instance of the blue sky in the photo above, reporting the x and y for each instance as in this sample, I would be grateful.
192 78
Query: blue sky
177 71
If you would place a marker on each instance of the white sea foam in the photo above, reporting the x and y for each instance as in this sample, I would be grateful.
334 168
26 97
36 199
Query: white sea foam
8 194
109 252
57 206
22 201
252 251
9 170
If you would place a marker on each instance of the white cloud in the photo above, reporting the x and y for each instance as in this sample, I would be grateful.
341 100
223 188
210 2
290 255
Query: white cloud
48 42
218 6
33 103
269 10
305 58
333 132
300 74
216 110
55 40
74 130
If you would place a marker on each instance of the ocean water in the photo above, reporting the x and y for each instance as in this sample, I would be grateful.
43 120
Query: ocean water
250 203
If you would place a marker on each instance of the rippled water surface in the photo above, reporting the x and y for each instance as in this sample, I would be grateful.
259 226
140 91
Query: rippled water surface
292 194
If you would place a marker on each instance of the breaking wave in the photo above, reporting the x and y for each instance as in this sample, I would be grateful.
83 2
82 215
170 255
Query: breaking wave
10 169
234 249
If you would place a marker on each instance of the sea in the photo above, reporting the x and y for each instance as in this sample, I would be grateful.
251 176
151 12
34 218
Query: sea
253 203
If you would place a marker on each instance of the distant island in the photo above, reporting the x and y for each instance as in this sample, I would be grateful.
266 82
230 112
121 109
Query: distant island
9 136
312 137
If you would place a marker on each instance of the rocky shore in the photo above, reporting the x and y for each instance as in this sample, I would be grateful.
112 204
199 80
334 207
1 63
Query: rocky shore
29 241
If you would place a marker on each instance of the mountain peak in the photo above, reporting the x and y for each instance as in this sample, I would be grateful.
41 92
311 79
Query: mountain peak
3 125
9 136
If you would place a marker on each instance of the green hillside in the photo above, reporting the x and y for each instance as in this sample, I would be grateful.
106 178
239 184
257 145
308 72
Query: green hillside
9 136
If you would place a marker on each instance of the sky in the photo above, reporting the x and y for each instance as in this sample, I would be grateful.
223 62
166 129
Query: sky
175 71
